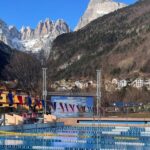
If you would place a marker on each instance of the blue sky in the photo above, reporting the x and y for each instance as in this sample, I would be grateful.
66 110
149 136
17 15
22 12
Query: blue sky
30 12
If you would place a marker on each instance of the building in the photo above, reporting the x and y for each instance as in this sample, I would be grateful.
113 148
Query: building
114 81
138 83
122 83
147 84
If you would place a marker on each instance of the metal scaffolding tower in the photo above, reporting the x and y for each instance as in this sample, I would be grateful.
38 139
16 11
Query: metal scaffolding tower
44 87
98 110
98 94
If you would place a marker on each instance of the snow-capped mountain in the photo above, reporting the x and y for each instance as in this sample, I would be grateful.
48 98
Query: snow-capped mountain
4 33
33 40
98 8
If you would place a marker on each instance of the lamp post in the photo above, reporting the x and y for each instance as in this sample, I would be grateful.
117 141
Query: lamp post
98 103
44 93
98 93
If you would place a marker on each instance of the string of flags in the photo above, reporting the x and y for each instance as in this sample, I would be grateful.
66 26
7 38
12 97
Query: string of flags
65 107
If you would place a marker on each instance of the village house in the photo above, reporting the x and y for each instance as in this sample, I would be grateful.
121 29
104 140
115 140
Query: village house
110 86
138 83
147 83
114 81
122 83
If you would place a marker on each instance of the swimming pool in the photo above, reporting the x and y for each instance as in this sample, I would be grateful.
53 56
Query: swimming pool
114 122
78 138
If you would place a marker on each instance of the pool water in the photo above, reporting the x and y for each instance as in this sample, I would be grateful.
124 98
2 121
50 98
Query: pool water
79 138
113 122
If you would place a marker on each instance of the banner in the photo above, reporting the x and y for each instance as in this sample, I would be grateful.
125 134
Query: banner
72 106
53 105
62 107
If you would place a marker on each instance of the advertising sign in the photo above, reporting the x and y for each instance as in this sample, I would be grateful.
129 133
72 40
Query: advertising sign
67 106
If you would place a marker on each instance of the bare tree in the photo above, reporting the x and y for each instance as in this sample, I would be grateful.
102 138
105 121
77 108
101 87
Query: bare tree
26 69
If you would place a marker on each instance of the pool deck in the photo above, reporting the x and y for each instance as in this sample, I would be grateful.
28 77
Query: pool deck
74 121
29 126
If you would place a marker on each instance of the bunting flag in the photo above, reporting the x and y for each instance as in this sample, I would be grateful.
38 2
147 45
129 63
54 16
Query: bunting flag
72 107
10 98
39 103
1 93
20 99
43 103
62 107
29 101
66 107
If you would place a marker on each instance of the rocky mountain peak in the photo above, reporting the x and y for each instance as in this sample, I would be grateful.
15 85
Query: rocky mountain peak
4 32
3 27
48 21
98 8
22 29
122 38
14 33
2 23
61 26
100 1
28 39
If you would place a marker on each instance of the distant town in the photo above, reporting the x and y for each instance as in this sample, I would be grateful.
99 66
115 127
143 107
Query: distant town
110 85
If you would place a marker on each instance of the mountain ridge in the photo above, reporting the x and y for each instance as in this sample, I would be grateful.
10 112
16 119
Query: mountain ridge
120 37
98 8
34 40
5 55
